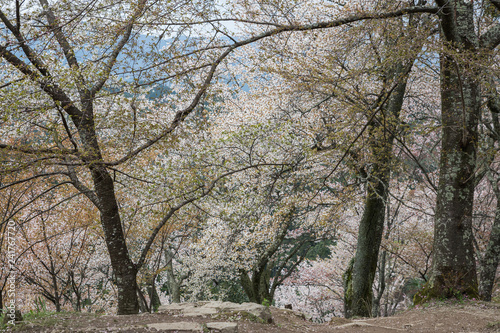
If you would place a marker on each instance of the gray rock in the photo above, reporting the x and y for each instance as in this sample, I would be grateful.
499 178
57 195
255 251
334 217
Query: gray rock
178 326
223 327
258 311
172 307
199 311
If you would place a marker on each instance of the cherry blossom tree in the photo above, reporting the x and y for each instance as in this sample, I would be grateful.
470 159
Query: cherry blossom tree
110 97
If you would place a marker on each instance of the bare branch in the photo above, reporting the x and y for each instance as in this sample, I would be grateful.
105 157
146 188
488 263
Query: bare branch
114 55
57 153
175 208
182 114
46 83
68 51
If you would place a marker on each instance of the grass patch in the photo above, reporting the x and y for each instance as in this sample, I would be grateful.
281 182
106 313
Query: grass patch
237 316
45 319
493 325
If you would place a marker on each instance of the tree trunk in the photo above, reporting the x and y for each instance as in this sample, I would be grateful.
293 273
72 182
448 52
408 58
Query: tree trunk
174 284
175 292
57 297
123 267
257 287
381 286
347 282
359 301
454 268
369 239
143 304
489 262
491 259
154 298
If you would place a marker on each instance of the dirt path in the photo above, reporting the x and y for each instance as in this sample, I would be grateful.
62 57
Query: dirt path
470 317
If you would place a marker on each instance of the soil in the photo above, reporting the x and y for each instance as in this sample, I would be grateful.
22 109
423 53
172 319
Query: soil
440 317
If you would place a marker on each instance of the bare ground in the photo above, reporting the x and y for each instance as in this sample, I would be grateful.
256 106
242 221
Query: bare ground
440 317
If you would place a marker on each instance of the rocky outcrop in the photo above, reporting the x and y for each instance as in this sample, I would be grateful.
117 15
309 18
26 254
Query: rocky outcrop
215 310
247 310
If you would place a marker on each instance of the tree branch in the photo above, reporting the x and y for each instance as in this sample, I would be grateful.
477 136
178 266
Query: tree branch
182 114
114 55
491 38
46 83
175 208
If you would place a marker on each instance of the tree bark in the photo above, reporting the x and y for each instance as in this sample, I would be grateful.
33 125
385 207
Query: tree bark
381 286
174 284
123 268
257 287
491 258
143 304
154 298
359 302
454 268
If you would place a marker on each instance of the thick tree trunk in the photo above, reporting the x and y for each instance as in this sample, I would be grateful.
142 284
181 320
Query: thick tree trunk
257 288
175 292
347 282
123 267
369 239
491 259
381 286
454 268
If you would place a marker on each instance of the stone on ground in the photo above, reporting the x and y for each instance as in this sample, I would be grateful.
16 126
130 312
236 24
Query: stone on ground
209 308
223 327
178 326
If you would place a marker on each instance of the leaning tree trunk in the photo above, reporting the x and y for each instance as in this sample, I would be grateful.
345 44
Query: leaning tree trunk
124 269
454 267
369 239
154 298
358 292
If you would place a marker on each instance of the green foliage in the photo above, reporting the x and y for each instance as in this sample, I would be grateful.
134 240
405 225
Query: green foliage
492 11
230 291
412 286
40 305
42 318
33 315
347 281
432 291
321 250
493 325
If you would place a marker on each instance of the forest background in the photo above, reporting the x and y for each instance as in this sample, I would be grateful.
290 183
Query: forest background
339 156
